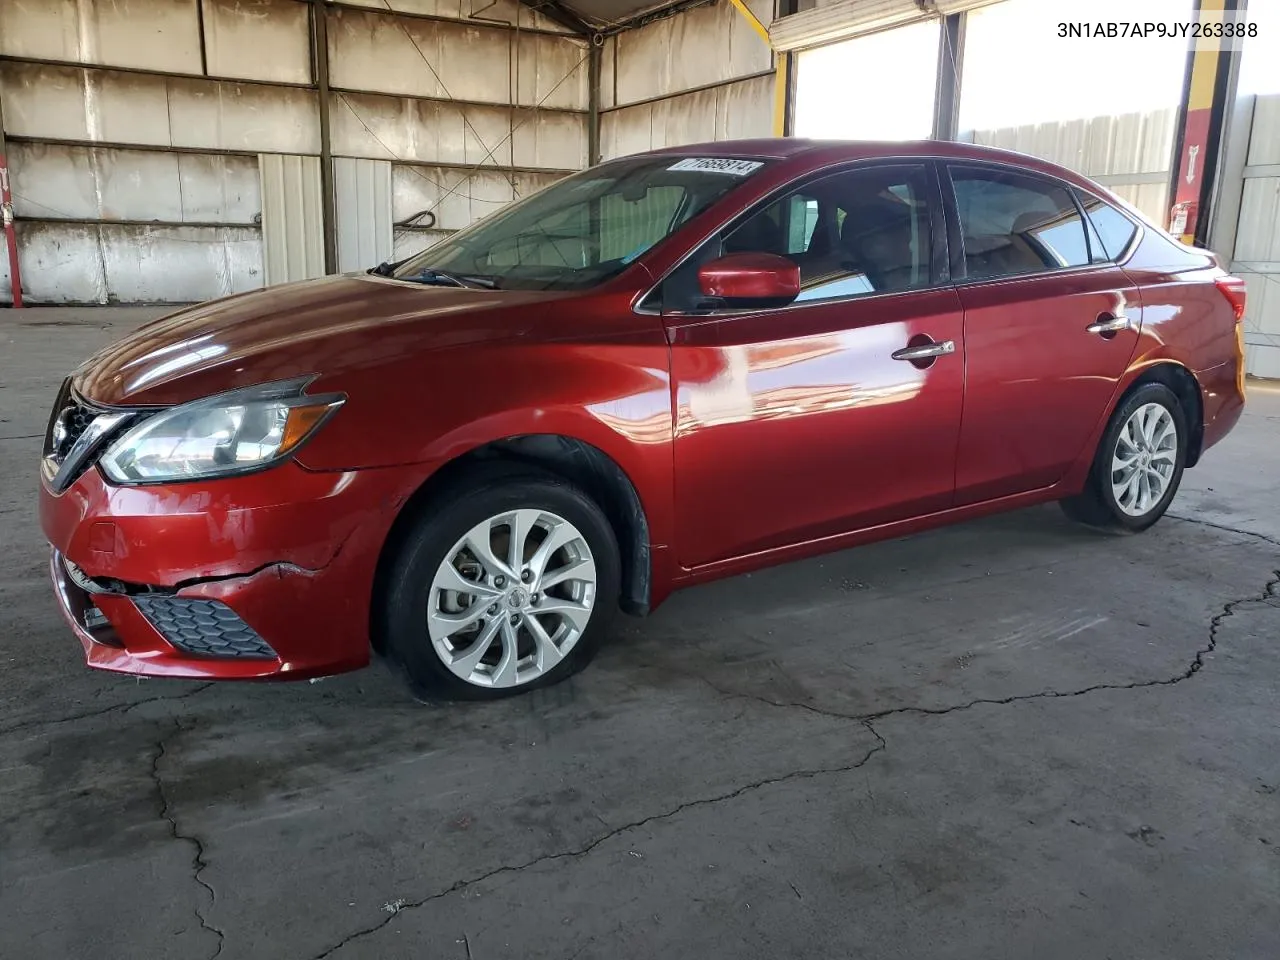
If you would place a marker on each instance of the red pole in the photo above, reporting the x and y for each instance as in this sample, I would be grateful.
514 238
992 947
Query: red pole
6 207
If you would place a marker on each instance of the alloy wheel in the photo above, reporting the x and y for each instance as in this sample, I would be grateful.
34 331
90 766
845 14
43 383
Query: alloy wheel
1144 460
511 598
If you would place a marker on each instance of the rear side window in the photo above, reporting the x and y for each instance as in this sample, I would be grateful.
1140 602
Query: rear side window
1013 224
1112 230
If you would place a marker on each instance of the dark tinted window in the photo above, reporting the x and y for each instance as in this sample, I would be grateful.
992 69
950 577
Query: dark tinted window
1014 224
1111 229
862 232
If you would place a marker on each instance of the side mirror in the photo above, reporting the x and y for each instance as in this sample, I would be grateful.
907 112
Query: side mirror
755 279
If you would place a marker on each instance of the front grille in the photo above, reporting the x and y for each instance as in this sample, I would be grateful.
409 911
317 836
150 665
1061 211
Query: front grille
77 422
77 432
206 628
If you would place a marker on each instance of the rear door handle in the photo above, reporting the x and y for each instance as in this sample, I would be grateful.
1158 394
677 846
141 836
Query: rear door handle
926 351
1109 324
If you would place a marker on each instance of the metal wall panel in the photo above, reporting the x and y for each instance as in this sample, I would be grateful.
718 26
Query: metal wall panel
550 72
1129 152
429 58
1151 198
703 46
457 198
363 208
100 183
409 242
258 40
426 131
731 111
292 228
509 12
1125 144
1262 325
70 103
126 263
1257 259
551 140
105 33
1254 161
1264 145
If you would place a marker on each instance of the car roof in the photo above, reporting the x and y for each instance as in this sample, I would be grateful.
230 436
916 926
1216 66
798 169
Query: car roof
823 152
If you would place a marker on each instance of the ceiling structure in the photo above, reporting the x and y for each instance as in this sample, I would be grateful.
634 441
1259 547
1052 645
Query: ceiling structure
608 16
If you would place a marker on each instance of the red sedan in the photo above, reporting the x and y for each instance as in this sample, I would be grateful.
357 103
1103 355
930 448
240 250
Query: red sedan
666 369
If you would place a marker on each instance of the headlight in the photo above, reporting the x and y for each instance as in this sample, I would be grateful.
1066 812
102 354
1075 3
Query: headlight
235 432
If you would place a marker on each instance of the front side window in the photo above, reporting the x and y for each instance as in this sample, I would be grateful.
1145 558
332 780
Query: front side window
584 229
1013 224
860 232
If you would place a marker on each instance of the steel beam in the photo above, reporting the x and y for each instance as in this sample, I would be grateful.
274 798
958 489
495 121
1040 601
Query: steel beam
328 204
593 102
946 102
1212 68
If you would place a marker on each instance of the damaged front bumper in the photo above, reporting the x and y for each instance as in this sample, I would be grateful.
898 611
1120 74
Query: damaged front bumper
268 576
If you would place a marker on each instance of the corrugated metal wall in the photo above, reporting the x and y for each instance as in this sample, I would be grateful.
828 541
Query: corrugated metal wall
292 231
362 190
1257 244
1128 154
136 126
702 75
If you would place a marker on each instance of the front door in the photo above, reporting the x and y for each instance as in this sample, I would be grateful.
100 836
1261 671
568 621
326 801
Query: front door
1050 326
798 422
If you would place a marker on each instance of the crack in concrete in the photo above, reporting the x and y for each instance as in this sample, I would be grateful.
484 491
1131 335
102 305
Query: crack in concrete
198 860
121 707
1222 526
1268 594
806 774
867 720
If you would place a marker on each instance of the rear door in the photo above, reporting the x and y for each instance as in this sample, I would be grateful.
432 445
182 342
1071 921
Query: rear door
1049 326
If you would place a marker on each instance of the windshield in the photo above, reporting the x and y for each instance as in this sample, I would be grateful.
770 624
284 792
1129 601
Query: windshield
586 228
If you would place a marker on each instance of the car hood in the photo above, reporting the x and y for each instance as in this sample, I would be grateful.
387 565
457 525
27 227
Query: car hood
316 326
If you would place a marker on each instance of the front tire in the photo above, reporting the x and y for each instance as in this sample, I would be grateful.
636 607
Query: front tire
1138 465
503 585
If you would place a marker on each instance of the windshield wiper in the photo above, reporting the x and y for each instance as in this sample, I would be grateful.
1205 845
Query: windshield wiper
438 277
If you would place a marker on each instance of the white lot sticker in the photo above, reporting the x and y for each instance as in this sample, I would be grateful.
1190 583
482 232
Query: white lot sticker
736 168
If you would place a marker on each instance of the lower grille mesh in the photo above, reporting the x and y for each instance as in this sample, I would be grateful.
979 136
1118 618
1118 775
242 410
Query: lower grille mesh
204 627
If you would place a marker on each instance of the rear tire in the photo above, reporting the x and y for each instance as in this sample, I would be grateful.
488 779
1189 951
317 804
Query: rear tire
467 617
1138 466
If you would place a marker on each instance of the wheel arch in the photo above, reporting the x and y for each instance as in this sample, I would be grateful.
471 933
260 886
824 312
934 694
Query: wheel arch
582 463
1185 387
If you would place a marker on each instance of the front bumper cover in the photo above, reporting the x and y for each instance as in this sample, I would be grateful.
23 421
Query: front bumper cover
264 576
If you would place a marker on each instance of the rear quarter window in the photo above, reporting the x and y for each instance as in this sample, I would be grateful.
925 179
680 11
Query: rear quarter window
1111 228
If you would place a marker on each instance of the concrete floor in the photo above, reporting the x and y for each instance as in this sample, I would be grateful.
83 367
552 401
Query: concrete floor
1012 738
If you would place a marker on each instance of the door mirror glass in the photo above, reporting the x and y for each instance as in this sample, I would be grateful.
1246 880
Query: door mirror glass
751 279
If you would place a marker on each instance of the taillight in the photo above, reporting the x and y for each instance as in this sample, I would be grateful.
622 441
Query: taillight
1234 290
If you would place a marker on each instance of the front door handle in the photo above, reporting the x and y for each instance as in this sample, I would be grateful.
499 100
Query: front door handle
1107 324
926 351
